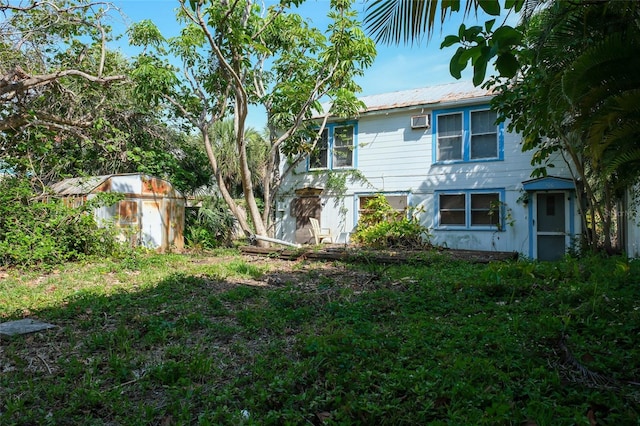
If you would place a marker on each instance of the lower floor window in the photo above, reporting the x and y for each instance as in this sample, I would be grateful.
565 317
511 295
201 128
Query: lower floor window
397 202
469 209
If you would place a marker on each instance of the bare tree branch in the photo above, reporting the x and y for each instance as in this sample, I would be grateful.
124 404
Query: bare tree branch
18 81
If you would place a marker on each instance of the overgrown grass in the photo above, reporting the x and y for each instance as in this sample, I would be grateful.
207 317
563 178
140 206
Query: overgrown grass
231 340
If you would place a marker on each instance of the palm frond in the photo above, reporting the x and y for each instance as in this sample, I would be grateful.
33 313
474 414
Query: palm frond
608 67
625 158
401 21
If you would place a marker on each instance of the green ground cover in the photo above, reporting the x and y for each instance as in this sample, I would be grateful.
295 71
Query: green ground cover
231 339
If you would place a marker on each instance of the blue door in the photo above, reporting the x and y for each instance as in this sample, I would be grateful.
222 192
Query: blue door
551 232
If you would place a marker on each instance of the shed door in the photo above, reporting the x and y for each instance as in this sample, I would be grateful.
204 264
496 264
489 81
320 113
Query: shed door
152 225
551 225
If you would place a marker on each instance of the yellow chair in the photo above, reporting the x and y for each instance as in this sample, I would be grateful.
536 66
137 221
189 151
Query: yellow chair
319 234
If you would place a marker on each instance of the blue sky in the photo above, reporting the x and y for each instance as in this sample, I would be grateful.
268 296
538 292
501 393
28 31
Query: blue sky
395 68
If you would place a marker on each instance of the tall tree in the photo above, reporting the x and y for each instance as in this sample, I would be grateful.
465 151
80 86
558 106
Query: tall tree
579 94
234 54
224 146
67 106
46 47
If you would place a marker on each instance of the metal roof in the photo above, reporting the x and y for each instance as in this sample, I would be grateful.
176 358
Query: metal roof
78 185
426 96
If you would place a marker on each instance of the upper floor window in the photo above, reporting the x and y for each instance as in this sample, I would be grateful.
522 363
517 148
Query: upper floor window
470 209
469 134
318 158
335 148
450 137
484 135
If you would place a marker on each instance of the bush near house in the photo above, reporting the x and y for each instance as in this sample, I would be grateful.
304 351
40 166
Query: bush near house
36 230
380 226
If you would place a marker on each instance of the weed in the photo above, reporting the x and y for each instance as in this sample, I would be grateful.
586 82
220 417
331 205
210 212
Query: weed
439 342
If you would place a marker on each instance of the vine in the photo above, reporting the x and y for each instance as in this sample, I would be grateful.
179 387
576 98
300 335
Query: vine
498 208
336 185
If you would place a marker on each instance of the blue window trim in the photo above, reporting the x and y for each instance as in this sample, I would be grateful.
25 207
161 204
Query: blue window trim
467 209
466 135
329 128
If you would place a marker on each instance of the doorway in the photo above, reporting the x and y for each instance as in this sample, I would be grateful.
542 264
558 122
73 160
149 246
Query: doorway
306 205
551 231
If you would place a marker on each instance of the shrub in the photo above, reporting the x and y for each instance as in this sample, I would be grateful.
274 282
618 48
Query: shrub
210 225
36 230
381 226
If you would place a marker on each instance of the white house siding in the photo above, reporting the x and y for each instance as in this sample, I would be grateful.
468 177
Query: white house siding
633 235
395 158
632 223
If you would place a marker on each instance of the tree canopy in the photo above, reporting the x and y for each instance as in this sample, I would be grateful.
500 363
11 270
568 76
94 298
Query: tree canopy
233 54
67 104
409 21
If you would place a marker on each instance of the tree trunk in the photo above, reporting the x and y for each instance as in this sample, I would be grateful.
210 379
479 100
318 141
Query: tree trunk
607 218
245 174
271 184
221 184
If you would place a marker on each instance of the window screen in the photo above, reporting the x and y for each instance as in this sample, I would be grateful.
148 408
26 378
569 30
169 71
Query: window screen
484 135
485 209
343 146
452 209
450 137
319 156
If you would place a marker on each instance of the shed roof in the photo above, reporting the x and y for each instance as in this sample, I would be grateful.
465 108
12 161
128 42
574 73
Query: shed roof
78 185
424 96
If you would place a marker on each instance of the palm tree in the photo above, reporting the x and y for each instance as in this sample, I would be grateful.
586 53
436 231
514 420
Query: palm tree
222 135
396 21
408 21
579 93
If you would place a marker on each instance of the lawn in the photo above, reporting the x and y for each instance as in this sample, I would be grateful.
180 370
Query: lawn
234 339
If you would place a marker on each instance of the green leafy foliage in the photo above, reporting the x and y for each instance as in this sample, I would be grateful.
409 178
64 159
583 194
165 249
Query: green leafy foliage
479 46
381 226
75 107
398 21
36 231
242 53
210 224
577 96
195 340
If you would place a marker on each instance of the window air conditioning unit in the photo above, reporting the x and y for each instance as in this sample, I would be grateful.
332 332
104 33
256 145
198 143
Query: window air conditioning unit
420 122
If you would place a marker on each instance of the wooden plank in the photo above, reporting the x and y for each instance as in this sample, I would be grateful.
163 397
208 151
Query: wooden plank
367 256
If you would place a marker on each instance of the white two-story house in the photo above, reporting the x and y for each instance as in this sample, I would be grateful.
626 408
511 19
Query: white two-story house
437 153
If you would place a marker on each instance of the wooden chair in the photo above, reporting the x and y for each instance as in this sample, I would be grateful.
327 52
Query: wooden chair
319 234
